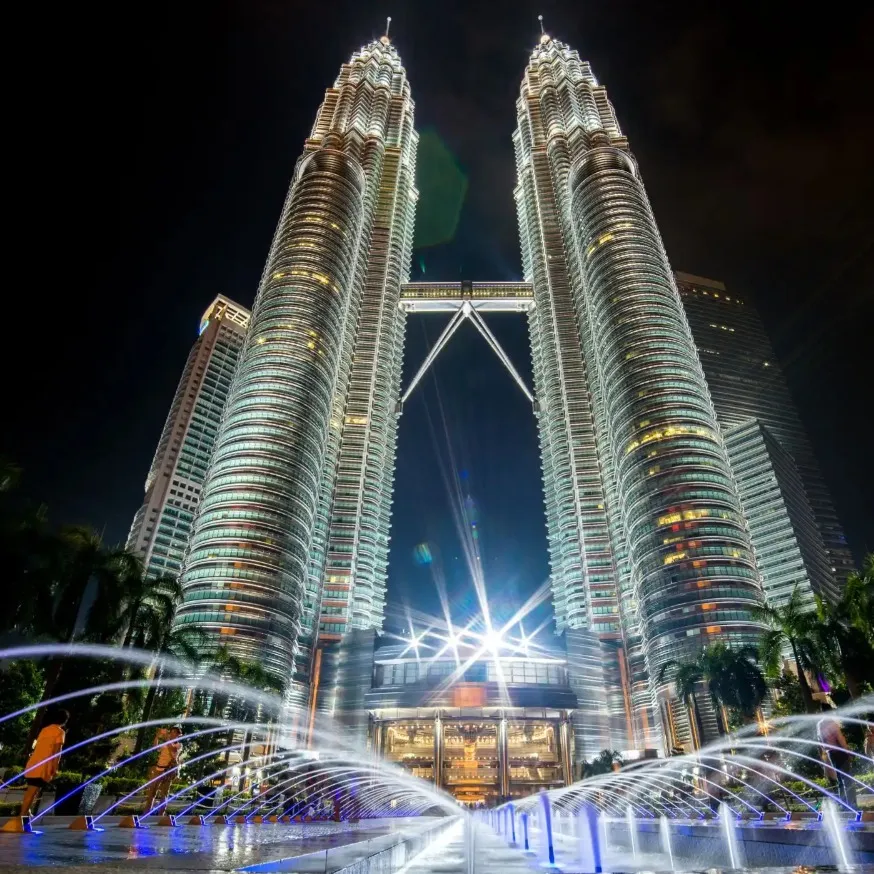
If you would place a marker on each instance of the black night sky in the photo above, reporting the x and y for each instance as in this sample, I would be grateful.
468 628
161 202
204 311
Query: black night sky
752 124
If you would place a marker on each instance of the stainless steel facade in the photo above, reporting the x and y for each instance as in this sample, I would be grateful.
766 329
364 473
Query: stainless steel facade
640 498
268 519
649 554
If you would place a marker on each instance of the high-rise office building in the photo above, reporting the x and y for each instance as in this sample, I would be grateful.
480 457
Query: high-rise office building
312 404
640 499
162 524
746 383
649 553
788 547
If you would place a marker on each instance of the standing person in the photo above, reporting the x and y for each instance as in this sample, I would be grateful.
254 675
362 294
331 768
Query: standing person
42 766
869 740
836 753
161 776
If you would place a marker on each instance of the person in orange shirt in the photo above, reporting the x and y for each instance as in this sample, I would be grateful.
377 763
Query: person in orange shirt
42 766
165 769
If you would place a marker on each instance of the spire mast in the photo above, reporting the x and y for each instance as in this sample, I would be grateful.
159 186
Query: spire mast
384 39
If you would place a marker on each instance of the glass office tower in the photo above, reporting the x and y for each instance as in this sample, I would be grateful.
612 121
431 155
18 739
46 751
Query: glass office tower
312 399
787 543
639 495
162 524
746 383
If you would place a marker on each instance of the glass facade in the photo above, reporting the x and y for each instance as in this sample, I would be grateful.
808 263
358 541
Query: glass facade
746 383
480 758
299 484
640 498
162 525
513 672
787 543
649 550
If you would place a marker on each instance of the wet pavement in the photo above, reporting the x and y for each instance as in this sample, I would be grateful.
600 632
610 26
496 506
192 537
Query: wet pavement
209 848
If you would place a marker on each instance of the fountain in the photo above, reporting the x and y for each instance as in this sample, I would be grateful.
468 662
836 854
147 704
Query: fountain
632 830
269 765
589 839
837 834
665 834
470 845
727 824
546 830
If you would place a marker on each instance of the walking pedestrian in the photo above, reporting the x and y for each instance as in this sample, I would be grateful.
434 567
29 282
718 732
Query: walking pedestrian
836 754
162 774
42 766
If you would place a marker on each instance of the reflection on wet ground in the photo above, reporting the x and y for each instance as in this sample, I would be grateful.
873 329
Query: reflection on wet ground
186 848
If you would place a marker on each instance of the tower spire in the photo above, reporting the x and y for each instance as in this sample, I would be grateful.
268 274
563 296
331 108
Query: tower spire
544 36
384 39
540 19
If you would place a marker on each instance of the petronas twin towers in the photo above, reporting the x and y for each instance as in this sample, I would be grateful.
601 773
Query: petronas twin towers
649 554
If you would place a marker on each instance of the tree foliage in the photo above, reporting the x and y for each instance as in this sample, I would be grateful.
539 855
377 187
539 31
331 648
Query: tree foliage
21 684
603 763
732 678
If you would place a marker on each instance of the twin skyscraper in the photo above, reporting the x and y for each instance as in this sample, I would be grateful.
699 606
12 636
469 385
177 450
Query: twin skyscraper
287 525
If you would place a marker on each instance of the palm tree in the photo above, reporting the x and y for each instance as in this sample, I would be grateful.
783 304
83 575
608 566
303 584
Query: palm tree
90 584
240 709
150 605
602 763
732 677
791 624
846 633
10 474
858 596
180 643
686 679
28 553
83 585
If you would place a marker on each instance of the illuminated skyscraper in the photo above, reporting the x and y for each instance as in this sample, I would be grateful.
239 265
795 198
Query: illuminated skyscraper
788 546
312 401
639 496
162 525
650 557
746 384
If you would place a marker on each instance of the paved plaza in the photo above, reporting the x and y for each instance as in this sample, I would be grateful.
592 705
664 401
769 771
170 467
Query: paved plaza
317 846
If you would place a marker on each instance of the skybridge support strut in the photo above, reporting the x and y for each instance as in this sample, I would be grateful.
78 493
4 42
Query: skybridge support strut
466 311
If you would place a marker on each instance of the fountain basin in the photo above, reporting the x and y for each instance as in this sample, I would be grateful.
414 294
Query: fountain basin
697 845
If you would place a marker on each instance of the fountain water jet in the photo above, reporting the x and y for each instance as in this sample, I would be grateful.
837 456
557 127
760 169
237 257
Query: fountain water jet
836 831
729 832
632 830
665 834
546 829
